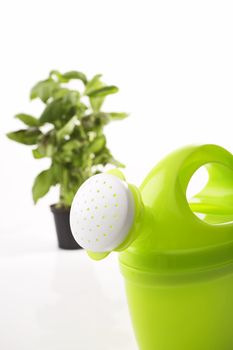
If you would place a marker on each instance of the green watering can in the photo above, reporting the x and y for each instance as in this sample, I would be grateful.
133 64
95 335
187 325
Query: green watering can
178 268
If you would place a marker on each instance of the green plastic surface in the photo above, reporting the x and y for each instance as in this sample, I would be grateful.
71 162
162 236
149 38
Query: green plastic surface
178 269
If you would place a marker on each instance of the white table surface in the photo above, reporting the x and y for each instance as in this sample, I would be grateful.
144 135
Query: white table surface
52 299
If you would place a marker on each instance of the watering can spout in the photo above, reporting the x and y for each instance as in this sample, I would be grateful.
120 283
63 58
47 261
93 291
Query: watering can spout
108 214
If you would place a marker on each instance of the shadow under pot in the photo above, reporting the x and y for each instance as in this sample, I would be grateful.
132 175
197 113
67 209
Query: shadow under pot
62 224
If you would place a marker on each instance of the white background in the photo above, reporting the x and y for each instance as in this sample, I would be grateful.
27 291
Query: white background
173 62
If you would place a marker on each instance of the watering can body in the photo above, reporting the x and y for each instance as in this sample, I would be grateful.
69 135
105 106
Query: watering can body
194 315
179 272
178 269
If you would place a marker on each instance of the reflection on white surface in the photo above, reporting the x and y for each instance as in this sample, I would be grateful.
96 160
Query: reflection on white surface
60 300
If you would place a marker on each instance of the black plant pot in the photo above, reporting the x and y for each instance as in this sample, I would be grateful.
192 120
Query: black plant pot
62 223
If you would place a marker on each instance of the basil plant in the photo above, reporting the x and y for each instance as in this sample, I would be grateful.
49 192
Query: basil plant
69 131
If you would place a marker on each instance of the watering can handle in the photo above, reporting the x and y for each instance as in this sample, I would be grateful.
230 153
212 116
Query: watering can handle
219 163
215 200
177 225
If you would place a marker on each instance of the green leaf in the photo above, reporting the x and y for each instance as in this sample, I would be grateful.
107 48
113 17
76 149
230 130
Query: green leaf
72 145
63 108
81 109
53 111
75 75
44 89
57 172
116 162
27 136
55 74
102 158
72 97
97 144
27 119
42 184
60 93
118 116
67 128
44 150
102 118
46 145
94 84
94 121
104 91
37 154
63 157
96 103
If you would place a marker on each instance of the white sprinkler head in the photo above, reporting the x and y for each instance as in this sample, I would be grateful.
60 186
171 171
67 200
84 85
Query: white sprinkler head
102 213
